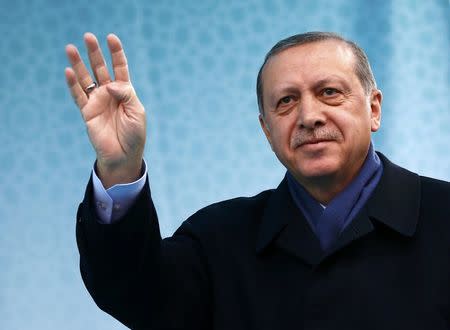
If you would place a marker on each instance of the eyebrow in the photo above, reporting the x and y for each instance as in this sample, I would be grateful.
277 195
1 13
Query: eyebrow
322 82
331 79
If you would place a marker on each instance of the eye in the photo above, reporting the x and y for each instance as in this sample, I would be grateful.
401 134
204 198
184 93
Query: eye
329 91
285 100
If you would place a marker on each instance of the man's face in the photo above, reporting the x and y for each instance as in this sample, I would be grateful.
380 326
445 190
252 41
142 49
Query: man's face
317 117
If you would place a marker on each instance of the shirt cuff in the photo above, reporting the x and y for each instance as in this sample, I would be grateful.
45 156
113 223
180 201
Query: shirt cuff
112 203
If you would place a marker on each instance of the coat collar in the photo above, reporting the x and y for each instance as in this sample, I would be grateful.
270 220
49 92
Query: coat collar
395 203
396 199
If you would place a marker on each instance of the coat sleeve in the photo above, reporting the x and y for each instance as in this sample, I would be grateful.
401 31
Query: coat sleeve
138 278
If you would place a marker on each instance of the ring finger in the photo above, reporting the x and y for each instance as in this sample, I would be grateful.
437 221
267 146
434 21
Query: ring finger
83 76
96 59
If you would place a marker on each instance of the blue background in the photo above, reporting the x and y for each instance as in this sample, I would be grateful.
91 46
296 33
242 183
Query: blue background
194 65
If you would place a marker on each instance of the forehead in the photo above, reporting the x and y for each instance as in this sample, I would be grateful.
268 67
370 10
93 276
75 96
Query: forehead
310 62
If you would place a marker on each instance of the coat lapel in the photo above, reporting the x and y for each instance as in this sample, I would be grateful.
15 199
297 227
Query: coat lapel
285 227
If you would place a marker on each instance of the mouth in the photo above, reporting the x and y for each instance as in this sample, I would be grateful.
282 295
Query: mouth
313 142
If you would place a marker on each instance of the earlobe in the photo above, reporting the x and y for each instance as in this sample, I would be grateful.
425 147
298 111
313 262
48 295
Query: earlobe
375 107
265 128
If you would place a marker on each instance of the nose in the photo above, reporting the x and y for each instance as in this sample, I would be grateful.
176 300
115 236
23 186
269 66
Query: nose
310 114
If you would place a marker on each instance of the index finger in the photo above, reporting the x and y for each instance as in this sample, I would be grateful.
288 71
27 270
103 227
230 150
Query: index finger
119 61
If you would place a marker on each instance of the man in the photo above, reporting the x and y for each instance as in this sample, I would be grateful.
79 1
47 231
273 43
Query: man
348 240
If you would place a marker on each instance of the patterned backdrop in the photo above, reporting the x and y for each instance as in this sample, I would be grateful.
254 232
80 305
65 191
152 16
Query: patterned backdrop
194 65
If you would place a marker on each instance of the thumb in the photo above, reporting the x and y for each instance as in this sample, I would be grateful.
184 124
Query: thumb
122 92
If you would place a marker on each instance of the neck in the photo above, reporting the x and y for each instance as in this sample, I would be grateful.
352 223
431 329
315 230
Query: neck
325 191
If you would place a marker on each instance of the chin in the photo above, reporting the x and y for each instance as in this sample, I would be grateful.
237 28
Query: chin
315 169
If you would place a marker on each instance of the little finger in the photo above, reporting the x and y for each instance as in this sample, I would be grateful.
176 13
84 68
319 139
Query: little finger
78 94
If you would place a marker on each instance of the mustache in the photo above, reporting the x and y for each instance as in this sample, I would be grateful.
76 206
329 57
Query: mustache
317 135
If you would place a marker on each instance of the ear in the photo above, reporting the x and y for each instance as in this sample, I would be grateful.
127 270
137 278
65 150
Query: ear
375 109
265 128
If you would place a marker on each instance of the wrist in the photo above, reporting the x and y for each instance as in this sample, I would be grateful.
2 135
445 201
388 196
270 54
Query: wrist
119 174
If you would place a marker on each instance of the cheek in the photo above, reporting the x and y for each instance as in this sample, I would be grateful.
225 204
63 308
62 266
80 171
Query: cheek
353 126
281 137
357 134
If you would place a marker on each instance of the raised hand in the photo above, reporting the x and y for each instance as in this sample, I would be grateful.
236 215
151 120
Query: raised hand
114 116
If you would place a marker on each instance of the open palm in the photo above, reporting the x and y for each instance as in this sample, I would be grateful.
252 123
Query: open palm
114 116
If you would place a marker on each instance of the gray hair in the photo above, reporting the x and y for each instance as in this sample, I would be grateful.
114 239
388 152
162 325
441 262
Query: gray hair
362 66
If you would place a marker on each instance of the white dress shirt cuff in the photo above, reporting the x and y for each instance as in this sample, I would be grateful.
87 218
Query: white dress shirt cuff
112 203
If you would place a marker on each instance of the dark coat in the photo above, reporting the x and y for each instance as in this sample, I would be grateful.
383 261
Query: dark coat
254 263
